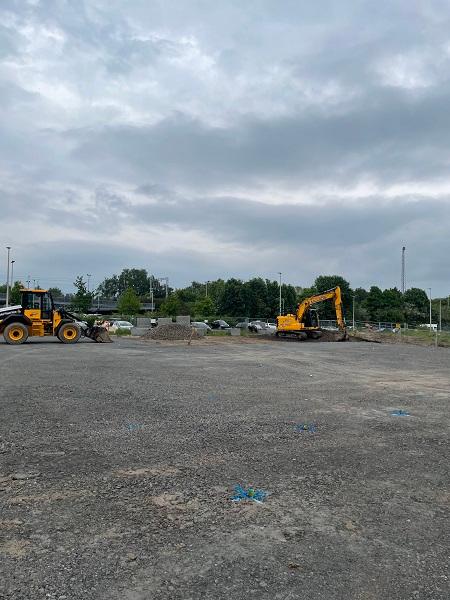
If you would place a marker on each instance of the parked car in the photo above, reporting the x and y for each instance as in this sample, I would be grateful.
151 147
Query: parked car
201 325
220 324
120 325
256 326
242 325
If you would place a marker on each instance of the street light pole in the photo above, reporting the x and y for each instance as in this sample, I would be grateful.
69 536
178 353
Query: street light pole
353 313
7 277
280 274
430 309
12 273
151 293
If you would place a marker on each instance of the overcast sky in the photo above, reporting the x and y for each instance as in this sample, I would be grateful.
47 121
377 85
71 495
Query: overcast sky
203 139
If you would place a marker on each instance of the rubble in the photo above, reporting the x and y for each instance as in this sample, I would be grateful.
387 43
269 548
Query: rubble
171 331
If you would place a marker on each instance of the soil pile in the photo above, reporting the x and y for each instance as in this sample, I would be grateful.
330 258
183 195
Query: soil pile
171 331
331 336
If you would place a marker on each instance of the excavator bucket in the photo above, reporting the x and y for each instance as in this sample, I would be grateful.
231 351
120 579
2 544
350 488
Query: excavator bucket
98 334
342 336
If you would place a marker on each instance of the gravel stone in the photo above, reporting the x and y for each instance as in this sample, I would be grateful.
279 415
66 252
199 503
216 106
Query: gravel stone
357 510
171 331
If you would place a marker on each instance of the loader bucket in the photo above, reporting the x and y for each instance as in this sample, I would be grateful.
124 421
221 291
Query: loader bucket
98 334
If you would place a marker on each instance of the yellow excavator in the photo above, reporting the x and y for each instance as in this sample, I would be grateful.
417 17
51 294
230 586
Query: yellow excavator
305 323
36 316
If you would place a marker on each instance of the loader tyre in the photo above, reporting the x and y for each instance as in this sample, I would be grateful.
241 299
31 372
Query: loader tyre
15 333
69 333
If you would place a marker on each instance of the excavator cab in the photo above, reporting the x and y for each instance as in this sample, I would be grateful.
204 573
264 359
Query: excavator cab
312 318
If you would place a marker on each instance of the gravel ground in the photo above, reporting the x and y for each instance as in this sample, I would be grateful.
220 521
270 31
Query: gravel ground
117 464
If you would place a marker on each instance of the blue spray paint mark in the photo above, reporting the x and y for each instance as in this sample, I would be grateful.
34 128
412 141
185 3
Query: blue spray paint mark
311 427
250 494
133 426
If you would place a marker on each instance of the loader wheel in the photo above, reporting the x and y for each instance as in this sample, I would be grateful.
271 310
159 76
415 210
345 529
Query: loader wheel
69 333
15 333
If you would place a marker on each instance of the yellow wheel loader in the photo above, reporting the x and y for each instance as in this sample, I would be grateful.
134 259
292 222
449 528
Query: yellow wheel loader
37 316
305 323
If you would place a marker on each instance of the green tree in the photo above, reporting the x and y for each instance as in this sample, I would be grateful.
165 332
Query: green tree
273 297
360 295
55 292
15 295
109 288
136 279
416 305
129 303
289 294
231 302
215 289
254 294
188 294
375 303
82 299
392 309
171 307
327 282
204 307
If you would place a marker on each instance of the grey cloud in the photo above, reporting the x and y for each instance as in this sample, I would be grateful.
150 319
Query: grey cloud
390 137
188 108
330 225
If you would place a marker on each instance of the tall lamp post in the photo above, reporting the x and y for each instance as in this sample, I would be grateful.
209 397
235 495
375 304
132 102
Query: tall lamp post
151 292
280 274
430 310
12 274
7 277
353 313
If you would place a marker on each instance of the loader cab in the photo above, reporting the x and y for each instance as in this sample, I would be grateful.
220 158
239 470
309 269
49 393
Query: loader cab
37 304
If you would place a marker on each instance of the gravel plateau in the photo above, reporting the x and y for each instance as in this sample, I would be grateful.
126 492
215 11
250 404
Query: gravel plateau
118 463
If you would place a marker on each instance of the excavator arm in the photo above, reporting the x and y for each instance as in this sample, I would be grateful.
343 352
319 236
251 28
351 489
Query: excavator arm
333 294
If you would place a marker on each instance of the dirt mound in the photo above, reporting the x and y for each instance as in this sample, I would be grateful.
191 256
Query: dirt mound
171 331
331 336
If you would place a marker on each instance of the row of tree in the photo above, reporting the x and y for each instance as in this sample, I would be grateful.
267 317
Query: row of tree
256 298
259 298
232 298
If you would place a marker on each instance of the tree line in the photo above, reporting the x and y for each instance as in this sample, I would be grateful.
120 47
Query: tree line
255 298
